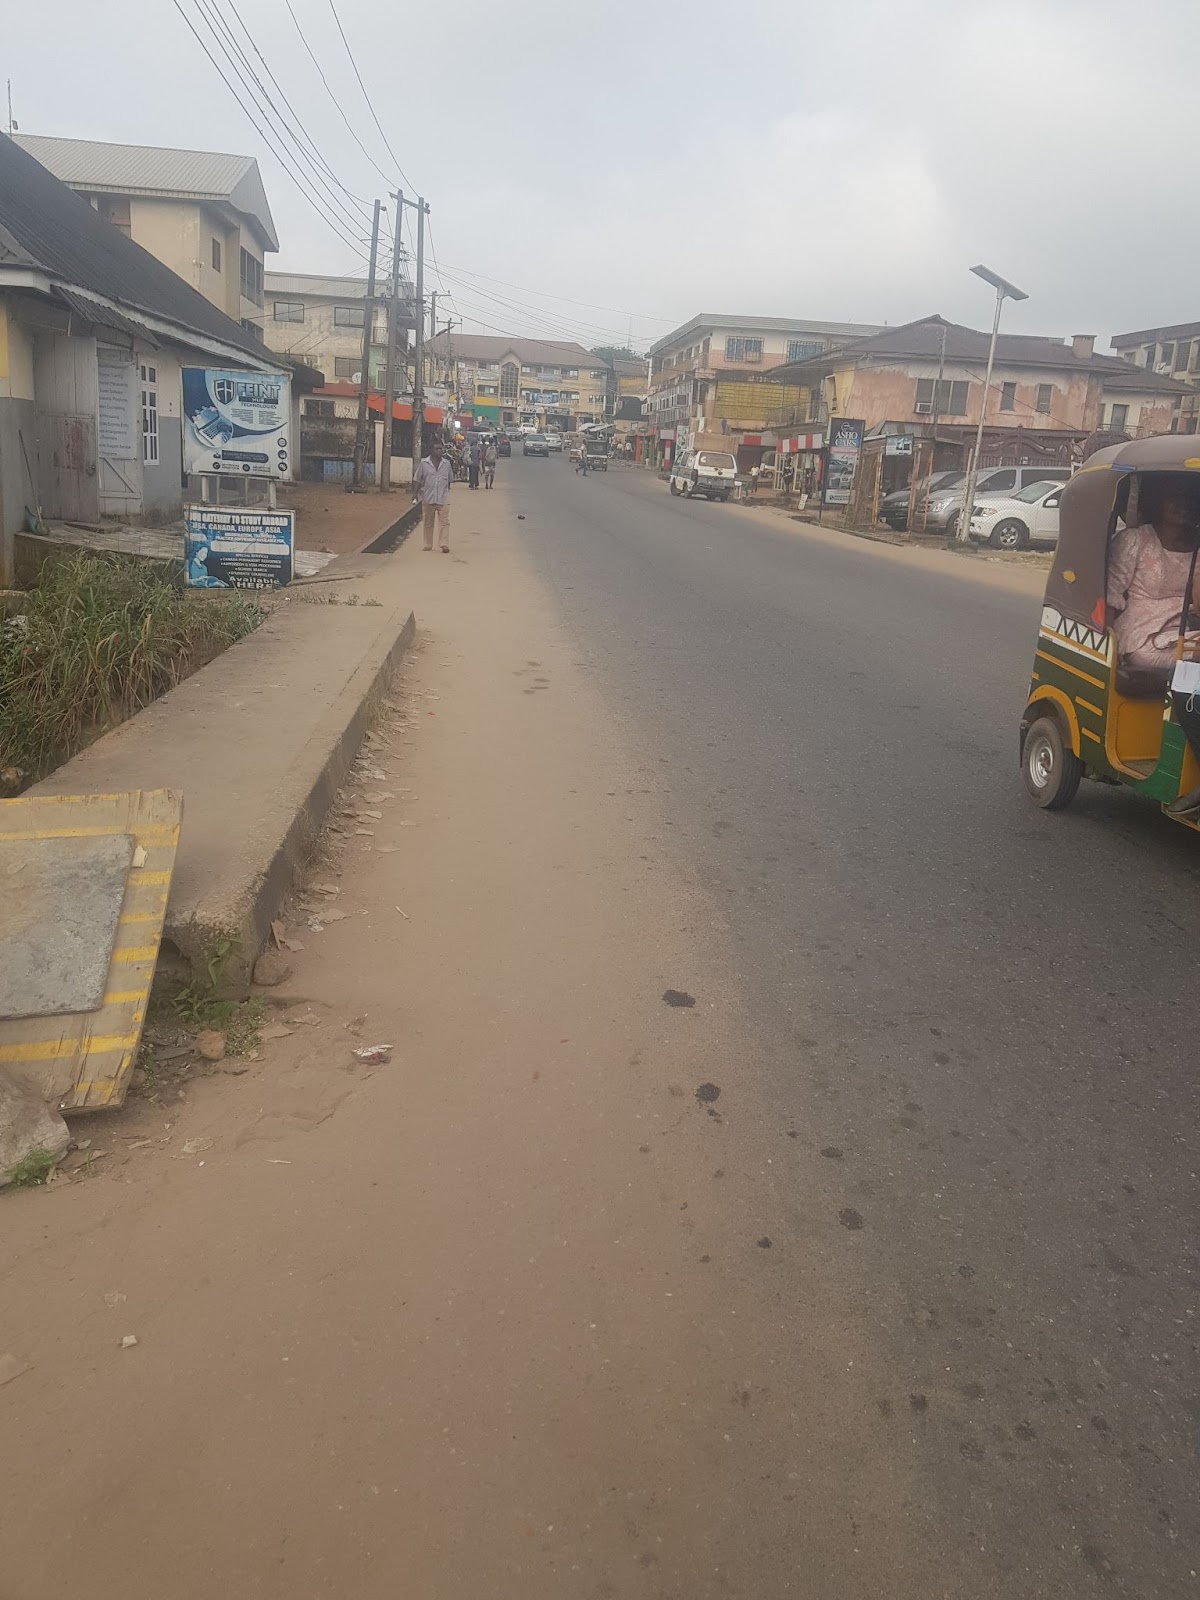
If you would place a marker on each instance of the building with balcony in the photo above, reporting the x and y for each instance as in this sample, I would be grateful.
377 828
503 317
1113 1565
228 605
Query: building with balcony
1172 351
707 380
319 320
511 382
203 214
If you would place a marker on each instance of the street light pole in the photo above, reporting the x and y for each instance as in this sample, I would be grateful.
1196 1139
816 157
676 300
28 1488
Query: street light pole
1004 291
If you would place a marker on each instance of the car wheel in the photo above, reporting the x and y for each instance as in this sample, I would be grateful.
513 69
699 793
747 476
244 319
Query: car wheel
1050 769
1011 534
673 486
952 525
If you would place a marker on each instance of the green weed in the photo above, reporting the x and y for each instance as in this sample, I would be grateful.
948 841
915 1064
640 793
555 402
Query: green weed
101 637
33 1168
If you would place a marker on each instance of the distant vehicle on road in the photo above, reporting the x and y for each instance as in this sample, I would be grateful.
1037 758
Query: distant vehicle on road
1011 522
554 443
712 473
534 444
504 445
596 450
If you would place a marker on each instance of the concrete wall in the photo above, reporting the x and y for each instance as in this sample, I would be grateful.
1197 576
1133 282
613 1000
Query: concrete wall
317 340
879 393
170 230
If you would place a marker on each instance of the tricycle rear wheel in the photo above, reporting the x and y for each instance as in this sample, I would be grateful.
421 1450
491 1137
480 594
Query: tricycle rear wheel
1049 767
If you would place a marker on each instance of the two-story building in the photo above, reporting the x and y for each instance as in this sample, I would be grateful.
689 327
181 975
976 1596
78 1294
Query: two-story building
319 320
709 385
203 214
94 335
510 382
925 380
1171 351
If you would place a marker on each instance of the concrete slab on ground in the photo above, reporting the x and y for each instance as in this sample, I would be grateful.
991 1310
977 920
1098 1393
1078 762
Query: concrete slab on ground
258 743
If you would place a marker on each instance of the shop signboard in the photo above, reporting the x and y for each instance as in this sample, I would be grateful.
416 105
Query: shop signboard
845 446
237 423
247 548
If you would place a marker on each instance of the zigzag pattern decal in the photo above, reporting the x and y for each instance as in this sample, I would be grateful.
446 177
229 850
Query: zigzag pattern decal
1072 632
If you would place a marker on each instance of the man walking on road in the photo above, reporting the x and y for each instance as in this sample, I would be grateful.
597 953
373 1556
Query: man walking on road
489 464
432 489
474 457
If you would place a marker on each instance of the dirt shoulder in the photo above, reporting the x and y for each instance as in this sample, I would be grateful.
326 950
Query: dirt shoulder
327 518
540 1308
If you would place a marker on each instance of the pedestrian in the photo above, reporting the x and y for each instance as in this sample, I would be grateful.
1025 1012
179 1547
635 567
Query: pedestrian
432 489
755 474
489 463
473 463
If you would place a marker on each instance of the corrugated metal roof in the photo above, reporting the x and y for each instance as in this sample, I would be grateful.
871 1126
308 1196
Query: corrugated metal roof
102 316
152 170
55 230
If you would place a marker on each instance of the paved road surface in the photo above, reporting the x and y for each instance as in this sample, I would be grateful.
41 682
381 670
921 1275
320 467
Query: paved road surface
982 1015
869 1276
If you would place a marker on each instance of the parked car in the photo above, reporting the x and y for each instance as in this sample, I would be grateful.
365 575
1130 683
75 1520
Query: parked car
1012 522
945 508
504 445
712 473
534 444
554 443
893 508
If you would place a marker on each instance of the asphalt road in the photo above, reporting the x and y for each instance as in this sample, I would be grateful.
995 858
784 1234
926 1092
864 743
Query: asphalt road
978 1014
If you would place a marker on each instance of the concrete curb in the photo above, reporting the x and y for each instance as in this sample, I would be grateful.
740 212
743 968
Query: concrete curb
241 915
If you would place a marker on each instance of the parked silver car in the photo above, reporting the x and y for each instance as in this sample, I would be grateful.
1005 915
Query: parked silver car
945 506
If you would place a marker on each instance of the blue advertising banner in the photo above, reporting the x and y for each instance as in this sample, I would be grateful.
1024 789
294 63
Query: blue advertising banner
247 549
237 422
845 444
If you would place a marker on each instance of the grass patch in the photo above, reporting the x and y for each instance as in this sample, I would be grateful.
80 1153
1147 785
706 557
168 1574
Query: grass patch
238 1020
34 1167
102 636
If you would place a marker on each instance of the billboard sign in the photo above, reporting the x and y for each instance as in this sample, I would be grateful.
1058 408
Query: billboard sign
239 549
239 423
898 444
845 445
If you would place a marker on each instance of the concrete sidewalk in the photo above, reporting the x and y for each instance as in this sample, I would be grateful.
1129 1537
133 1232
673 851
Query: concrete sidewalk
258 743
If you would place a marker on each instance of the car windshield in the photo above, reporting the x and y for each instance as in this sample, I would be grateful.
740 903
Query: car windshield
715 458
1035 491
945 480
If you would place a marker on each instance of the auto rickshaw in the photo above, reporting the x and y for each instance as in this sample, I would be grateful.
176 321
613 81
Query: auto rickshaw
1089 713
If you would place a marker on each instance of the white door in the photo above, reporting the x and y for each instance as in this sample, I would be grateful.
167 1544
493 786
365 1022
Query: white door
1043 524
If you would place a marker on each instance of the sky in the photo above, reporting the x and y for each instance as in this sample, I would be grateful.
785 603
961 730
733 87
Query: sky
603 174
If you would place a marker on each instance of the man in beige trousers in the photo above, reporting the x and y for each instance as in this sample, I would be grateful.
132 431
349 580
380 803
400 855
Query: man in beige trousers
432 489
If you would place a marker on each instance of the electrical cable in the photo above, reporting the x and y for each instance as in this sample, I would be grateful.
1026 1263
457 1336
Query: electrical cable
224 37
297 177
408 183
642 316
337 103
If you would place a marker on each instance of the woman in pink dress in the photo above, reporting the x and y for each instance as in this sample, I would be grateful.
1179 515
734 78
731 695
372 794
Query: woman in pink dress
1148 570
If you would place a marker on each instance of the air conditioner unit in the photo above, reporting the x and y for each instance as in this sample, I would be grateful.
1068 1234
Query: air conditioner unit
924 408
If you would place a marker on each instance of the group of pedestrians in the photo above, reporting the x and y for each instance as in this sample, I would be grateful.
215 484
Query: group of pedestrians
431 486
481 458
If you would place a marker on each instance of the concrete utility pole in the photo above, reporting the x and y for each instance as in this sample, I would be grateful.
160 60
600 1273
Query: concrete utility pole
364 383
389 387
1004 291
418 404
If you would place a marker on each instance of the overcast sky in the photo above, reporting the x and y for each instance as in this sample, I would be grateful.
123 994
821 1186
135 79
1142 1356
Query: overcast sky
841 162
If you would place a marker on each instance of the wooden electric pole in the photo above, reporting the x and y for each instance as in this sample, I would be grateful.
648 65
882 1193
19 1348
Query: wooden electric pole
364 385
385 473
418 407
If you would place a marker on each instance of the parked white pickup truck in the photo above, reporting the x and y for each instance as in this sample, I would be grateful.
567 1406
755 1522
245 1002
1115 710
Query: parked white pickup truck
712 473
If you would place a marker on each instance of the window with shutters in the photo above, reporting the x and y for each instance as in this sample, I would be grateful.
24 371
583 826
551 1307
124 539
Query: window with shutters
216 255
1008 397
348 316
288 311
251 277
346 366
149 392
1045 394
802 349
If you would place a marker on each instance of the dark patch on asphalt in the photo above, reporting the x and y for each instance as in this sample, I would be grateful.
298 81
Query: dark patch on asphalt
678 997
972 1449
918 1402
764 1243
974 1391
833 1152
708 1092
850 1218
885 1407
1024 1431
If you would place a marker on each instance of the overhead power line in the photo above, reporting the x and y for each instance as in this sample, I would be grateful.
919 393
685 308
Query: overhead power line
643 316
408 183
328 90
319 203
354 213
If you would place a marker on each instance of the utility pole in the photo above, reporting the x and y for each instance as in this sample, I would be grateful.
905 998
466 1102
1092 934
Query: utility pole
418 404
364 385
389 386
